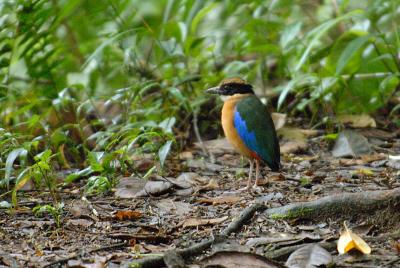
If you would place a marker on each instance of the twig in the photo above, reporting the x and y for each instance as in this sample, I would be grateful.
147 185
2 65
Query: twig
74 256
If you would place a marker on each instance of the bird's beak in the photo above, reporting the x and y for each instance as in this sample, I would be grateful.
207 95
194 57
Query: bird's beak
213 90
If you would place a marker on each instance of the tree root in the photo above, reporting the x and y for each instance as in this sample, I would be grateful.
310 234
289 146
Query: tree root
340 204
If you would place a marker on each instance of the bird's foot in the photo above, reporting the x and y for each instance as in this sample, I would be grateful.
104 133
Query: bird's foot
256 189
251 189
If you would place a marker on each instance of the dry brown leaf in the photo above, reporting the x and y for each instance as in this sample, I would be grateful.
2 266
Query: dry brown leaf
291 133
279 120
127 215
312 255
373 157
211 185
277 177
349 240
217 146
186 155
296 139
309 132
293 147
350 162
229 199
193 222
357 121
80 222
128 187
396 246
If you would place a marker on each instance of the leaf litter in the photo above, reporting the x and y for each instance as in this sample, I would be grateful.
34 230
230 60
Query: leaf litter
200 198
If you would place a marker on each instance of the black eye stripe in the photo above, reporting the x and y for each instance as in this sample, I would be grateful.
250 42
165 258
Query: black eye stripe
236 88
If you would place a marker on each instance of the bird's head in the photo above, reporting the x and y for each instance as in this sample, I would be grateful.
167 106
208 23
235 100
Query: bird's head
231 86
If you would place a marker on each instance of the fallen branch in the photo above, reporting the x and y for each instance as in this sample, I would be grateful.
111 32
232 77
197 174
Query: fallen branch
340 204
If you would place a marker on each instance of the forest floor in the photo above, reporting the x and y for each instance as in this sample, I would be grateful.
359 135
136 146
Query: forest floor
197 200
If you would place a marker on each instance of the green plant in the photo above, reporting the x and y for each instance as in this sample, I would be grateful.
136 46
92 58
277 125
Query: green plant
55 211
42 174
150 62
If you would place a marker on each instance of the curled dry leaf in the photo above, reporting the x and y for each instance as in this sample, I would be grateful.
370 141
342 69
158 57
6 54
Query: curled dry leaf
193 222
312 255
349 240
127 215
351 143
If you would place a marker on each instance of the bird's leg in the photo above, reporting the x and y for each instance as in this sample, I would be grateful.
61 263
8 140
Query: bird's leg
255 186
250 174
257 172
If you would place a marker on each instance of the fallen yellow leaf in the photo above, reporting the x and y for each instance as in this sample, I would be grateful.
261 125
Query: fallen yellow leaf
365 171
349 240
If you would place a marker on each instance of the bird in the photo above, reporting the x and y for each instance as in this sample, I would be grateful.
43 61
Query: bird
248 126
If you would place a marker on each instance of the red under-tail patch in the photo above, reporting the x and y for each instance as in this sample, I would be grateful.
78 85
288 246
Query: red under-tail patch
255 155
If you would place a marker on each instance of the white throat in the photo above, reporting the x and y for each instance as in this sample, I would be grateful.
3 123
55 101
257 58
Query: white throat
224 98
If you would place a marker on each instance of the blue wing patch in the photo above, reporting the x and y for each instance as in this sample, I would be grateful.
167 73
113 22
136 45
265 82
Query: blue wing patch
249 138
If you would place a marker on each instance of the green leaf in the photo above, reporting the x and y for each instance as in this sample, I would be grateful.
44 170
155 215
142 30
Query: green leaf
19 152
350 51
164 151
388 86
200 15
289 33
106 43
300 81
320 31
167 124
98 184
76 175
149 172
